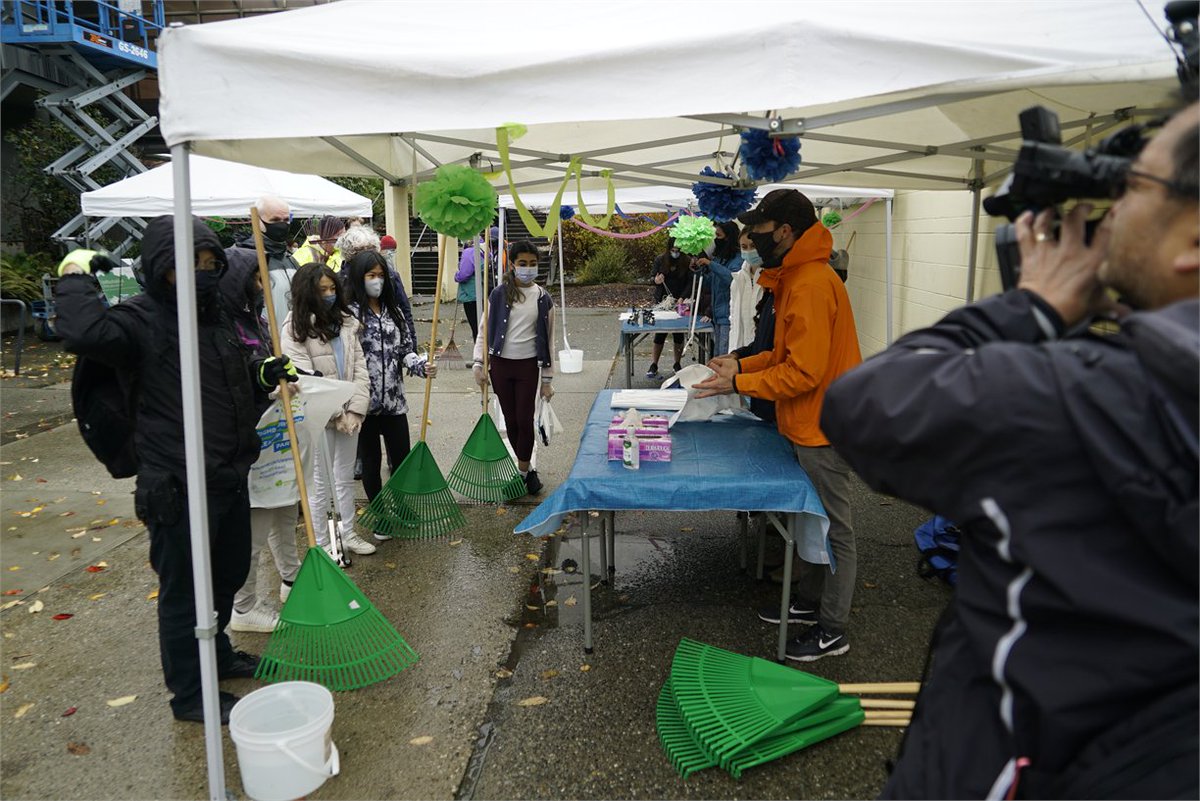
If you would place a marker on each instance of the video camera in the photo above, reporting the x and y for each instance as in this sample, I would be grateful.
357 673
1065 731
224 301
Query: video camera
1046 173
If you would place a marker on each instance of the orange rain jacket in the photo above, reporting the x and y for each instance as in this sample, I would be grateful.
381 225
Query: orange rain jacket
815 339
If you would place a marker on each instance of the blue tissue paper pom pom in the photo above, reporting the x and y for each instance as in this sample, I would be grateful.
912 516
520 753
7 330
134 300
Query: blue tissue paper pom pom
721 203
769 159
566 212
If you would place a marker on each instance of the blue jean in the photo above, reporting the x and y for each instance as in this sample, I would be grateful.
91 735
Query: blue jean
720 338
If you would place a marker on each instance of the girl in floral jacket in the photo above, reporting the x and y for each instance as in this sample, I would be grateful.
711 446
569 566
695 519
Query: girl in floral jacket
390 352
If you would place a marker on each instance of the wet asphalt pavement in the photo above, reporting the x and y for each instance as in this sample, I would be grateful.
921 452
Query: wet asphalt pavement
475 605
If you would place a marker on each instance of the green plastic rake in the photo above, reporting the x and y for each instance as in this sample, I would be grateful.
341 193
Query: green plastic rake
416 502
328 632
723 709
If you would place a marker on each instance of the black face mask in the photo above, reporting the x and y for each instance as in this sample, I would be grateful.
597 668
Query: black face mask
276 231
766 246
207 283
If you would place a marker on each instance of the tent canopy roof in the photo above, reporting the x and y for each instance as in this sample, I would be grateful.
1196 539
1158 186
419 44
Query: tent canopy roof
671 198
222 189
906 95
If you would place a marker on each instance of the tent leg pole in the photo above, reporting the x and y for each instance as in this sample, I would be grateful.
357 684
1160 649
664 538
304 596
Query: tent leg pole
976 200
888 271
193 443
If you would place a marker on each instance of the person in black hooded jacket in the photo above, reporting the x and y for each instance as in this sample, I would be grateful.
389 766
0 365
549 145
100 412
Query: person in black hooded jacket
140 339
1066 664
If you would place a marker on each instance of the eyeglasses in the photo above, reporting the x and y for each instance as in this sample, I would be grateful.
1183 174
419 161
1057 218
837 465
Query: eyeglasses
1172 186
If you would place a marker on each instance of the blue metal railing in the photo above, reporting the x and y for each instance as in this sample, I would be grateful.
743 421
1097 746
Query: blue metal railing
33 20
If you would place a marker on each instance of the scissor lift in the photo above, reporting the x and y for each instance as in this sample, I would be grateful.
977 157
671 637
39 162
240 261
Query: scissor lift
94 50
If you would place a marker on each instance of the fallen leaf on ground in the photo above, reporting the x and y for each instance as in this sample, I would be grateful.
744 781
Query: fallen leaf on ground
71 710
424 739
78 530
551 571
530 626
570 601
42 481
101 502
15 567
94 568
13 592
514 570
20 713
78 749
25 666
152 596
536 700
593 514
453 543
11 604
102 564
36 607
584 668
504 673
97 539
15 477
62 616
870 585
501 511
532 557
549 674
97 596
687 528
122 701
390 565
66 514
4 682
551 602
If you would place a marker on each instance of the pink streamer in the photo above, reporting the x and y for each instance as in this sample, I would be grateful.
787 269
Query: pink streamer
642 235
856 212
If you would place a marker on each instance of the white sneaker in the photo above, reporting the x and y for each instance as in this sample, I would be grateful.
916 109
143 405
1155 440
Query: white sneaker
285 590
341 561
357 544
259 619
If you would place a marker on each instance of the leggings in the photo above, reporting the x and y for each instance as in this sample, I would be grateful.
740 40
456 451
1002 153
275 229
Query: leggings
394 429
515 382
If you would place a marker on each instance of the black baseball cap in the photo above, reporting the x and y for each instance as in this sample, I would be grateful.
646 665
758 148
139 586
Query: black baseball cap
782 206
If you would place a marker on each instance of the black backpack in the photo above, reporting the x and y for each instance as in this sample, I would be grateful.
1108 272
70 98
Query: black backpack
105 409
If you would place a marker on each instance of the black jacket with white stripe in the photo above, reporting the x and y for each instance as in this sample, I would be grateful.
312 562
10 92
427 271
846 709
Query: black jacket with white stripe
1071 466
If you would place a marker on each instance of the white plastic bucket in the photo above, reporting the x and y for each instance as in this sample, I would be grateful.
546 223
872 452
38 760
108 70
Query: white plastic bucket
282 734
570 361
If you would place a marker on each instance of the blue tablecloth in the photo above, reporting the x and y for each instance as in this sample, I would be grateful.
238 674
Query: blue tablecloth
729 462
680 325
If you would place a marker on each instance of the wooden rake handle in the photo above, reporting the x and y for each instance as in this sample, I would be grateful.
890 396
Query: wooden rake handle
437 305
285 394
882 688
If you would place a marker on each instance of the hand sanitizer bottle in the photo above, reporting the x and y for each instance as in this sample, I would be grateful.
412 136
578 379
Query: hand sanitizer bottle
630 455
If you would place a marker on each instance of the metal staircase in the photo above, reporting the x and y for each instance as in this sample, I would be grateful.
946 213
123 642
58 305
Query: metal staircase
85 54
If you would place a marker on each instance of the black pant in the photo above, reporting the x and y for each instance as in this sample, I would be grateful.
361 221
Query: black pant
515 382
472 311
661 338
162 506
394 429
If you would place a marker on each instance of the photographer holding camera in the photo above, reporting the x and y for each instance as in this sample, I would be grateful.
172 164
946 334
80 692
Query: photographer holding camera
1066 664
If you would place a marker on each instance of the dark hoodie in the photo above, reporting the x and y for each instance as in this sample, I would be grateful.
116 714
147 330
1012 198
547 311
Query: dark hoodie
1071 467
140 338
244 304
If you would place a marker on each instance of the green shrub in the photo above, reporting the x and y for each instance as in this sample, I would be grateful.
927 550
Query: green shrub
21 275
608 264
579 244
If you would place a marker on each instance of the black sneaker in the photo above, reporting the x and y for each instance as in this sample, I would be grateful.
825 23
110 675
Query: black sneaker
815 644
652 373
358 469
796 614
240 666
532 483
676 367
195 712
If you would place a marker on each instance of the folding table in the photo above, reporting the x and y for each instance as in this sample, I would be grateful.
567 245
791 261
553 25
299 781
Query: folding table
632 334
732 462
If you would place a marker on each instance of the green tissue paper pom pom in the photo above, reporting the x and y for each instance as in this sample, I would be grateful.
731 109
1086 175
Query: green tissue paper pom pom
458 202
831 218
693 234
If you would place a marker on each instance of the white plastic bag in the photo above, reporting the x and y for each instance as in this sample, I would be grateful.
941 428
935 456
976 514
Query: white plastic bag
548 425
699 408
273 476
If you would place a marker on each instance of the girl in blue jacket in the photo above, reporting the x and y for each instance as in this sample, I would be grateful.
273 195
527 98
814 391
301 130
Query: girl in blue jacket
718 267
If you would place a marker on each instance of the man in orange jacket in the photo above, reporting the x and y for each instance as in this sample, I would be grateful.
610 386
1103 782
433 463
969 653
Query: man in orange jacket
815 342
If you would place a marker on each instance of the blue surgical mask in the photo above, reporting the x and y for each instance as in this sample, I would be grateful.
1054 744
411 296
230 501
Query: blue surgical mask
329 300
374 287
751 258
525 275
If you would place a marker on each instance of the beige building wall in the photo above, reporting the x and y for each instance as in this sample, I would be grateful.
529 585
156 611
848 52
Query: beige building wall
930 252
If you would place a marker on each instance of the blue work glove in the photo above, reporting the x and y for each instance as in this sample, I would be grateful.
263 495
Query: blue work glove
275 369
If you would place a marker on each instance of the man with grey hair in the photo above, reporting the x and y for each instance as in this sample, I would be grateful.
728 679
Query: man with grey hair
274 220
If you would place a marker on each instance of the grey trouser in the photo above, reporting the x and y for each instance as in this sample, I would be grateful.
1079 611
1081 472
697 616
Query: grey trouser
826 590
275 528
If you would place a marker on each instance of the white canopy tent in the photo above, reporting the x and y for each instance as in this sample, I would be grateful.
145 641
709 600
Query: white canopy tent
674 198
917 95
223 189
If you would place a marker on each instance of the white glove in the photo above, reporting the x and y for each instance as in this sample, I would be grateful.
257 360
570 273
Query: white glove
480 376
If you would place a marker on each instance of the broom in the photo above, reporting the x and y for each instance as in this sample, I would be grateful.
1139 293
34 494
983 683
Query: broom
726 709
328 631
485 471
416 502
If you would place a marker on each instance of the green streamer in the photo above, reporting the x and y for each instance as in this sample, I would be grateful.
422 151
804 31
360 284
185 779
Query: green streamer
514 130
599 222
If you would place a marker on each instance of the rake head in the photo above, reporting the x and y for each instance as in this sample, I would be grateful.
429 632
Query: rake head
450 357
485 471
416 503
331 634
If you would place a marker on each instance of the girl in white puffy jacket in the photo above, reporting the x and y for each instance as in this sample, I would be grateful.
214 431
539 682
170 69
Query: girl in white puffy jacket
321 335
